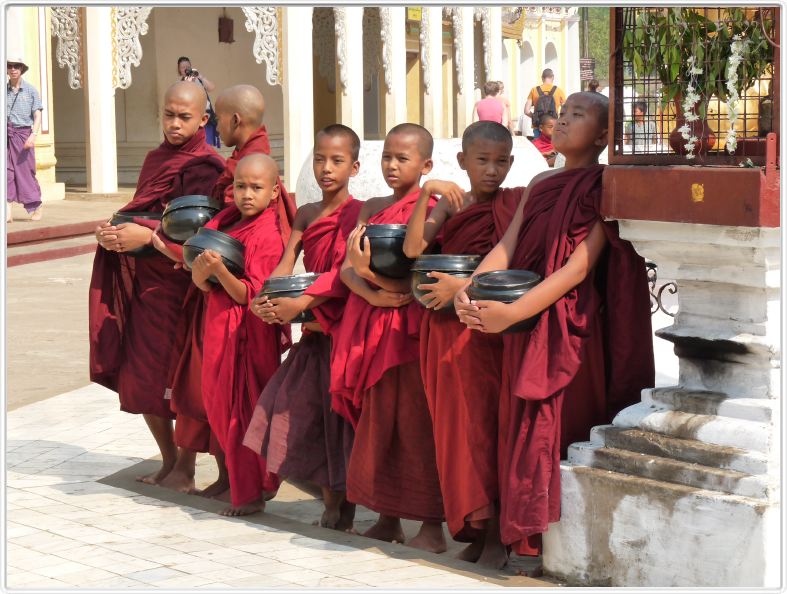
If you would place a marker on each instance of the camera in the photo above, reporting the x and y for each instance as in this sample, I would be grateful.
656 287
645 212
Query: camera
191 72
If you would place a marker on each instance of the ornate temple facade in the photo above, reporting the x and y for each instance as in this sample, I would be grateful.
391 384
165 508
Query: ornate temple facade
102 71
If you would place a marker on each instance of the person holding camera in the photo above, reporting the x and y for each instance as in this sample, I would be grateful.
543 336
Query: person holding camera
187 73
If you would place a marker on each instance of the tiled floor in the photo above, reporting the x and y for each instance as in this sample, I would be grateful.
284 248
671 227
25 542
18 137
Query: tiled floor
65 529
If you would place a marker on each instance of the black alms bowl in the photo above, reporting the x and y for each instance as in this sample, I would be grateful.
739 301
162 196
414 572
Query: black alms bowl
230 249
290 286
506 286
184 216
128 217
461 266
386 243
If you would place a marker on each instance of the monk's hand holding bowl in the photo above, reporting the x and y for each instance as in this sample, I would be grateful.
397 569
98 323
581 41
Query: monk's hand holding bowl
383 298
286 308
106 235
359 251
131 236
466 310
213 263
201 270
159 244
442 292
262 307
494 316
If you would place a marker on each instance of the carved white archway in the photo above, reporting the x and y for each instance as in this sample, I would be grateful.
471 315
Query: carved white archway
482 15
456 22
265 23
324 31
67 27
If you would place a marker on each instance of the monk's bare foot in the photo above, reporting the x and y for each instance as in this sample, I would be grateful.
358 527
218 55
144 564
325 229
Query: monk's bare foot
221 485
330 518
387 528
243 510
472 552
346 517
429 538
494 556
156 477
179 481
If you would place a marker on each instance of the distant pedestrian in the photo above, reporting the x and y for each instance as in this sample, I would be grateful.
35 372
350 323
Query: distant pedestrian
187 73
490 108
506 104
23 124
593 85
546 98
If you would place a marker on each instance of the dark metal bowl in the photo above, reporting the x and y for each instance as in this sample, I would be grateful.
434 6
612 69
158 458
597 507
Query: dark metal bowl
459 265
184 216
506 286
230 249
386 243
119 218
290 286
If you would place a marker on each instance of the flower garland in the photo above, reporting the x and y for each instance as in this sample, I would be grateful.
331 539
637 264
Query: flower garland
738 47
689 103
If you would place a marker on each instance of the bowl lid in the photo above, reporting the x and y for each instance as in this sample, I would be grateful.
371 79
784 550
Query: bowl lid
506 280
385 230
191 201
130 214
292 282
215 234
447 262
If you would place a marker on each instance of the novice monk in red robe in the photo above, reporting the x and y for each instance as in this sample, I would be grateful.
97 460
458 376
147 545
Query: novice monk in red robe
375 372
135 302
240 352
462 368
590 353
239 110
293 426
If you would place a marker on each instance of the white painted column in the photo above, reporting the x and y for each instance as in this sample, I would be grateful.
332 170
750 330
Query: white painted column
396 58
349 71
297 89
432 53
495 43
101 145
466 98
572 82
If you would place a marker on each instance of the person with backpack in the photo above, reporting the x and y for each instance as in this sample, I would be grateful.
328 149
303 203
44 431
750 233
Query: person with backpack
544 99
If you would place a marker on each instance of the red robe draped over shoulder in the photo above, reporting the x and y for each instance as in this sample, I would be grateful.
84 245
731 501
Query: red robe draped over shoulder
376 382
293 426
241 353
461 371
588 357
135 303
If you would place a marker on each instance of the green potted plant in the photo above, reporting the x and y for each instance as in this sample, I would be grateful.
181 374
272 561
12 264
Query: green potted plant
697 54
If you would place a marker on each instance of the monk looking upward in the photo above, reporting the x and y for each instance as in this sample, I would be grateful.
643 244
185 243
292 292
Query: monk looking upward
135 303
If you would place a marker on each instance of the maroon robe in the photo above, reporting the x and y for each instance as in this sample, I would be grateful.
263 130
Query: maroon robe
376 382
134 303
241 352
293 426
461 371
589 356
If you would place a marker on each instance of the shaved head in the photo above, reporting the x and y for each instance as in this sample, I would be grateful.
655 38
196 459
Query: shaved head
422 137
598 104
245 100
187 92
258 162
486 130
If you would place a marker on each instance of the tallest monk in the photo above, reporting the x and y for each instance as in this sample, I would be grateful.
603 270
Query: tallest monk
134 303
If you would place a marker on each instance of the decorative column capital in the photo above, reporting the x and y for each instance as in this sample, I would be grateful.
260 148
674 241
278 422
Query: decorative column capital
482 15
387 47
264 22
340 23
128 23
67 27
425 41
455 15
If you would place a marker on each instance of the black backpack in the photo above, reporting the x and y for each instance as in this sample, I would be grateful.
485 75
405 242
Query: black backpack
545 105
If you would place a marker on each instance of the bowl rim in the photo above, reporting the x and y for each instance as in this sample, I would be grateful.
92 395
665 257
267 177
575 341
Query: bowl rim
306 280
174 205
219 235
137 214
443 262
529 283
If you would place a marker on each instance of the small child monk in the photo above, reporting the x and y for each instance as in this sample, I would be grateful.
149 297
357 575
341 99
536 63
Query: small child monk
589 354
135 303
461 369
543 142
240 352
239 110
293 426
375 369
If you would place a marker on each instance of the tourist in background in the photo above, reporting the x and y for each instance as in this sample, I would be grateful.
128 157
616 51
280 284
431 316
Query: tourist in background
546 98
491 108
187 73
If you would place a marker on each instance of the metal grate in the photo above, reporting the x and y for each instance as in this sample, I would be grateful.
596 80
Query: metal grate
674 71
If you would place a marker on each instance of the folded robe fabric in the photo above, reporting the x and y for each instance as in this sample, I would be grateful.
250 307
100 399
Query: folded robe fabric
588 357
461 371
134 303
241 352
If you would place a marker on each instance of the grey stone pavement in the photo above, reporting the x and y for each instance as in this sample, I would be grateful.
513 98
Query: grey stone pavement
76 518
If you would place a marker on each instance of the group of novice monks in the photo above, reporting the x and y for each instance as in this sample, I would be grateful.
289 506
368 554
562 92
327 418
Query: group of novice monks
429 414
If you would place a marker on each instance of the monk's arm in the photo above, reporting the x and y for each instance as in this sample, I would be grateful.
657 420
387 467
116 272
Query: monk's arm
294 245
378 298
234 287
423 226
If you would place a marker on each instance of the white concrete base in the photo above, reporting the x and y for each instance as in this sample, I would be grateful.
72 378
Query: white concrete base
51 192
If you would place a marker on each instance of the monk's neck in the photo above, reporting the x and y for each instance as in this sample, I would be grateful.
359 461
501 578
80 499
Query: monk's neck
400 193
479 196
333 200
581 161
245 136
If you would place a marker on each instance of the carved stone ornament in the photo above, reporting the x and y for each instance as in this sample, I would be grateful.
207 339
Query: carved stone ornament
456 20
482 14
372 45
263 21
129 23
67 27
340 16
325 44
386 51
424 38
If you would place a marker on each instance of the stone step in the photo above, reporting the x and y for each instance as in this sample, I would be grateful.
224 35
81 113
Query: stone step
711 429
30 253
705 402
685 450
669 470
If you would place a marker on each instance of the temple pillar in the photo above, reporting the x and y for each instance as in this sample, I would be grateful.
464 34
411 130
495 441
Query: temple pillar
392 21
465 42
432 64
495 43
101 146
572 81
349 71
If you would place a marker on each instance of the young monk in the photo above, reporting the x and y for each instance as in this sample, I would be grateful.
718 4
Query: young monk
461 369
590 353
293 426
375 372
544 140
239 110
134 303
240 352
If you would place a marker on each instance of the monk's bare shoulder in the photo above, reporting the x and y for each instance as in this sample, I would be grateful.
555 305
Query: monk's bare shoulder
307 214
372 206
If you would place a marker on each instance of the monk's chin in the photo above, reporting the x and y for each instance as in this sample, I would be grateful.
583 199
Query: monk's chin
176 140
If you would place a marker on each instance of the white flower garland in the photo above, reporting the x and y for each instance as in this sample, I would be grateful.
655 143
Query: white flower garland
690 101
738 46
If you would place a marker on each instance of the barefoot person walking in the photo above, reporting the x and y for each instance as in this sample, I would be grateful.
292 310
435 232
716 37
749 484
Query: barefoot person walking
23 123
